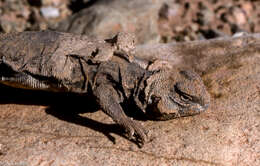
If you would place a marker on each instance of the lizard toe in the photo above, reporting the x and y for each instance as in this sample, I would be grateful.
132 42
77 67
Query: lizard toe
138 131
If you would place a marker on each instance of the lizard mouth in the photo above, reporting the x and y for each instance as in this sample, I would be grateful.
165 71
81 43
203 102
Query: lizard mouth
161 110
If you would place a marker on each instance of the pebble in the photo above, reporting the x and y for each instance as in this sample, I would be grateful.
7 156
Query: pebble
240 16
50 12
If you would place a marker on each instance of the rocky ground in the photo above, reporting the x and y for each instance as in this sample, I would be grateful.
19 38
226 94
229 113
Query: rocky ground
151 20
39 128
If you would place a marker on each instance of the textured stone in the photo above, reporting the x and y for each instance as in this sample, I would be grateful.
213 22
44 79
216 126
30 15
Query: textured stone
105 19
50 12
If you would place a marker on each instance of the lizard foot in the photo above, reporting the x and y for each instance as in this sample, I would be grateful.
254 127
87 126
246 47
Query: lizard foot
136 131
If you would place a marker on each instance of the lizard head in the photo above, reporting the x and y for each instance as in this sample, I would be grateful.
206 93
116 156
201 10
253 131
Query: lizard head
175 94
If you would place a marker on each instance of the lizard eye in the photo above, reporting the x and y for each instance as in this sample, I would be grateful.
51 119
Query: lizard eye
185 97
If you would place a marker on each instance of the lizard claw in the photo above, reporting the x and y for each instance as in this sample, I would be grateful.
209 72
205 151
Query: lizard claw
136 131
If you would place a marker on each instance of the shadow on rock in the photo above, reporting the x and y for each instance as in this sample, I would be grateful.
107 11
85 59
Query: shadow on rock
71 116
66 107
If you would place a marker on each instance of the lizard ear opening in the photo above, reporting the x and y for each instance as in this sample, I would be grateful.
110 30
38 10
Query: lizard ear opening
155 99
152 110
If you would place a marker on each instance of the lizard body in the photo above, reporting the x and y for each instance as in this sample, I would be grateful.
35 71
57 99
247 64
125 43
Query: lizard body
62 62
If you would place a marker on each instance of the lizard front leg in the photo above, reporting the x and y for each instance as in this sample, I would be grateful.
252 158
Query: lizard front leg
109 101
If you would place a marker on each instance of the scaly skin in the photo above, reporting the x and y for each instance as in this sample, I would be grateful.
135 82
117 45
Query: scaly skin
62 62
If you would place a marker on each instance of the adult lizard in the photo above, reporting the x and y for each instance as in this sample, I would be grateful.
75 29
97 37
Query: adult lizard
63 62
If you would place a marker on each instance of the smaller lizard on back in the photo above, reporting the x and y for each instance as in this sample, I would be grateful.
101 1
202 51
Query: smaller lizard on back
63 62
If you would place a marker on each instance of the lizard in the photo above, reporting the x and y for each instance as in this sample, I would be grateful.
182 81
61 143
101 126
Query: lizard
64 62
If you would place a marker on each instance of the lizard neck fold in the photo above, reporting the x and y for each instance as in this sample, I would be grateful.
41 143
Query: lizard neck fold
140 96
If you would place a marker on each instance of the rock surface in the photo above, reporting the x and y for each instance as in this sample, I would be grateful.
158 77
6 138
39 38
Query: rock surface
50 12
55 129
106 19
21 15
156 21
151 20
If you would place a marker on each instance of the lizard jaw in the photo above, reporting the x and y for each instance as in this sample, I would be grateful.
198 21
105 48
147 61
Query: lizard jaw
166 111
